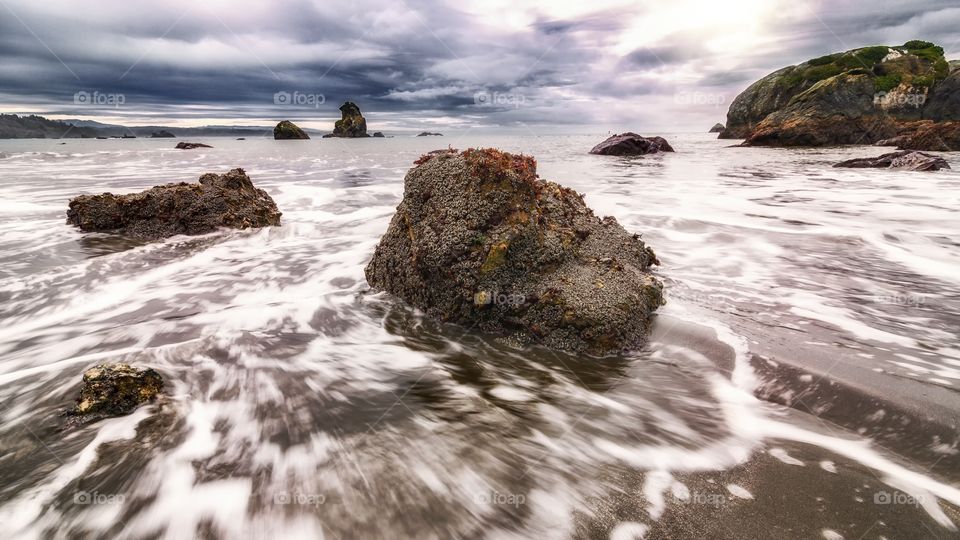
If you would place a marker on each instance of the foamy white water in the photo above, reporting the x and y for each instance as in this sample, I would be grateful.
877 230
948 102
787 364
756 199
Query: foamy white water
301 405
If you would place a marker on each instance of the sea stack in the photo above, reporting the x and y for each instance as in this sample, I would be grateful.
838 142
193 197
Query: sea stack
286 130
352 124
481 241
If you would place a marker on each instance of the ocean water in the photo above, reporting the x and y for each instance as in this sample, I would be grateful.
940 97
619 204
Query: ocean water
301 404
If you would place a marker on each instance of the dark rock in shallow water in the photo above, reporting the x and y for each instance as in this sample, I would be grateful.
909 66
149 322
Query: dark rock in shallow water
429 134
481 241
191 145
115 390
914 161
631 144
287 130
227 200
352 124
717 128
162 134
377 134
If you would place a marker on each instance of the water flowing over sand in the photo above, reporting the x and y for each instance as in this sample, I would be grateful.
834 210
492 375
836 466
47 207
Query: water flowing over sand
299 404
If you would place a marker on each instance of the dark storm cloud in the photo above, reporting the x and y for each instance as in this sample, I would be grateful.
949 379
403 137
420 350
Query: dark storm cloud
419 59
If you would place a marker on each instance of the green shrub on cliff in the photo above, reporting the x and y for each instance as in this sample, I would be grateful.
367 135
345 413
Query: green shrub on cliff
885 83
918 44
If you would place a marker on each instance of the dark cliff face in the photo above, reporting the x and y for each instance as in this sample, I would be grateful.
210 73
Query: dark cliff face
943 103
906 82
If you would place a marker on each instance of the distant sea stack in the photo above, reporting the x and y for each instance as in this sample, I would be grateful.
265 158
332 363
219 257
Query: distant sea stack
162 134
859 96
429 134
191 145
717 128
352 124
287 130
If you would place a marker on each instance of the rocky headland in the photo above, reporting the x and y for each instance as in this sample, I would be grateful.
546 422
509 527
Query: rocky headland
861 96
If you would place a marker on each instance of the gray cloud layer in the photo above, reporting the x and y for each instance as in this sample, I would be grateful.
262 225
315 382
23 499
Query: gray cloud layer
419 62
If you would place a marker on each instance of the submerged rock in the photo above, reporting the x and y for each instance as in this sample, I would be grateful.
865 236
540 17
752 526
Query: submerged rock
115 390
480 240
717 128
227 200
377 134
287 130
631 144
926 135
914 161
352 124
191 145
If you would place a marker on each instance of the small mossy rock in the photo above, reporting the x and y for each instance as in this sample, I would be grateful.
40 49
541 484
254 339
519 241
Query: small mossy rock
906 159
378 134
191 145
227 200
717 128
287 130
115 390
481 241
631 144
352 124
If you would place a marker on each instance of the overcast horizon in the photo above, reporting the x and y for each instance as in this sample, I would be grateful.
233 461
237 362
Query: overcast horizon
607 65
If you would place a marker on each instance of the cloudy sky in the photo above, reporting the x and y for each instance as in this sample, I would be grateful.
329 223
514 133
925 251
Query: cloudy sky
417 64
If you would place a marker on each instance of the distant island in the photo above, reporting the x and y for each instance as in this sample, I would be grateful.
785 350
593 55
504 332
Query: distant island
13 126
